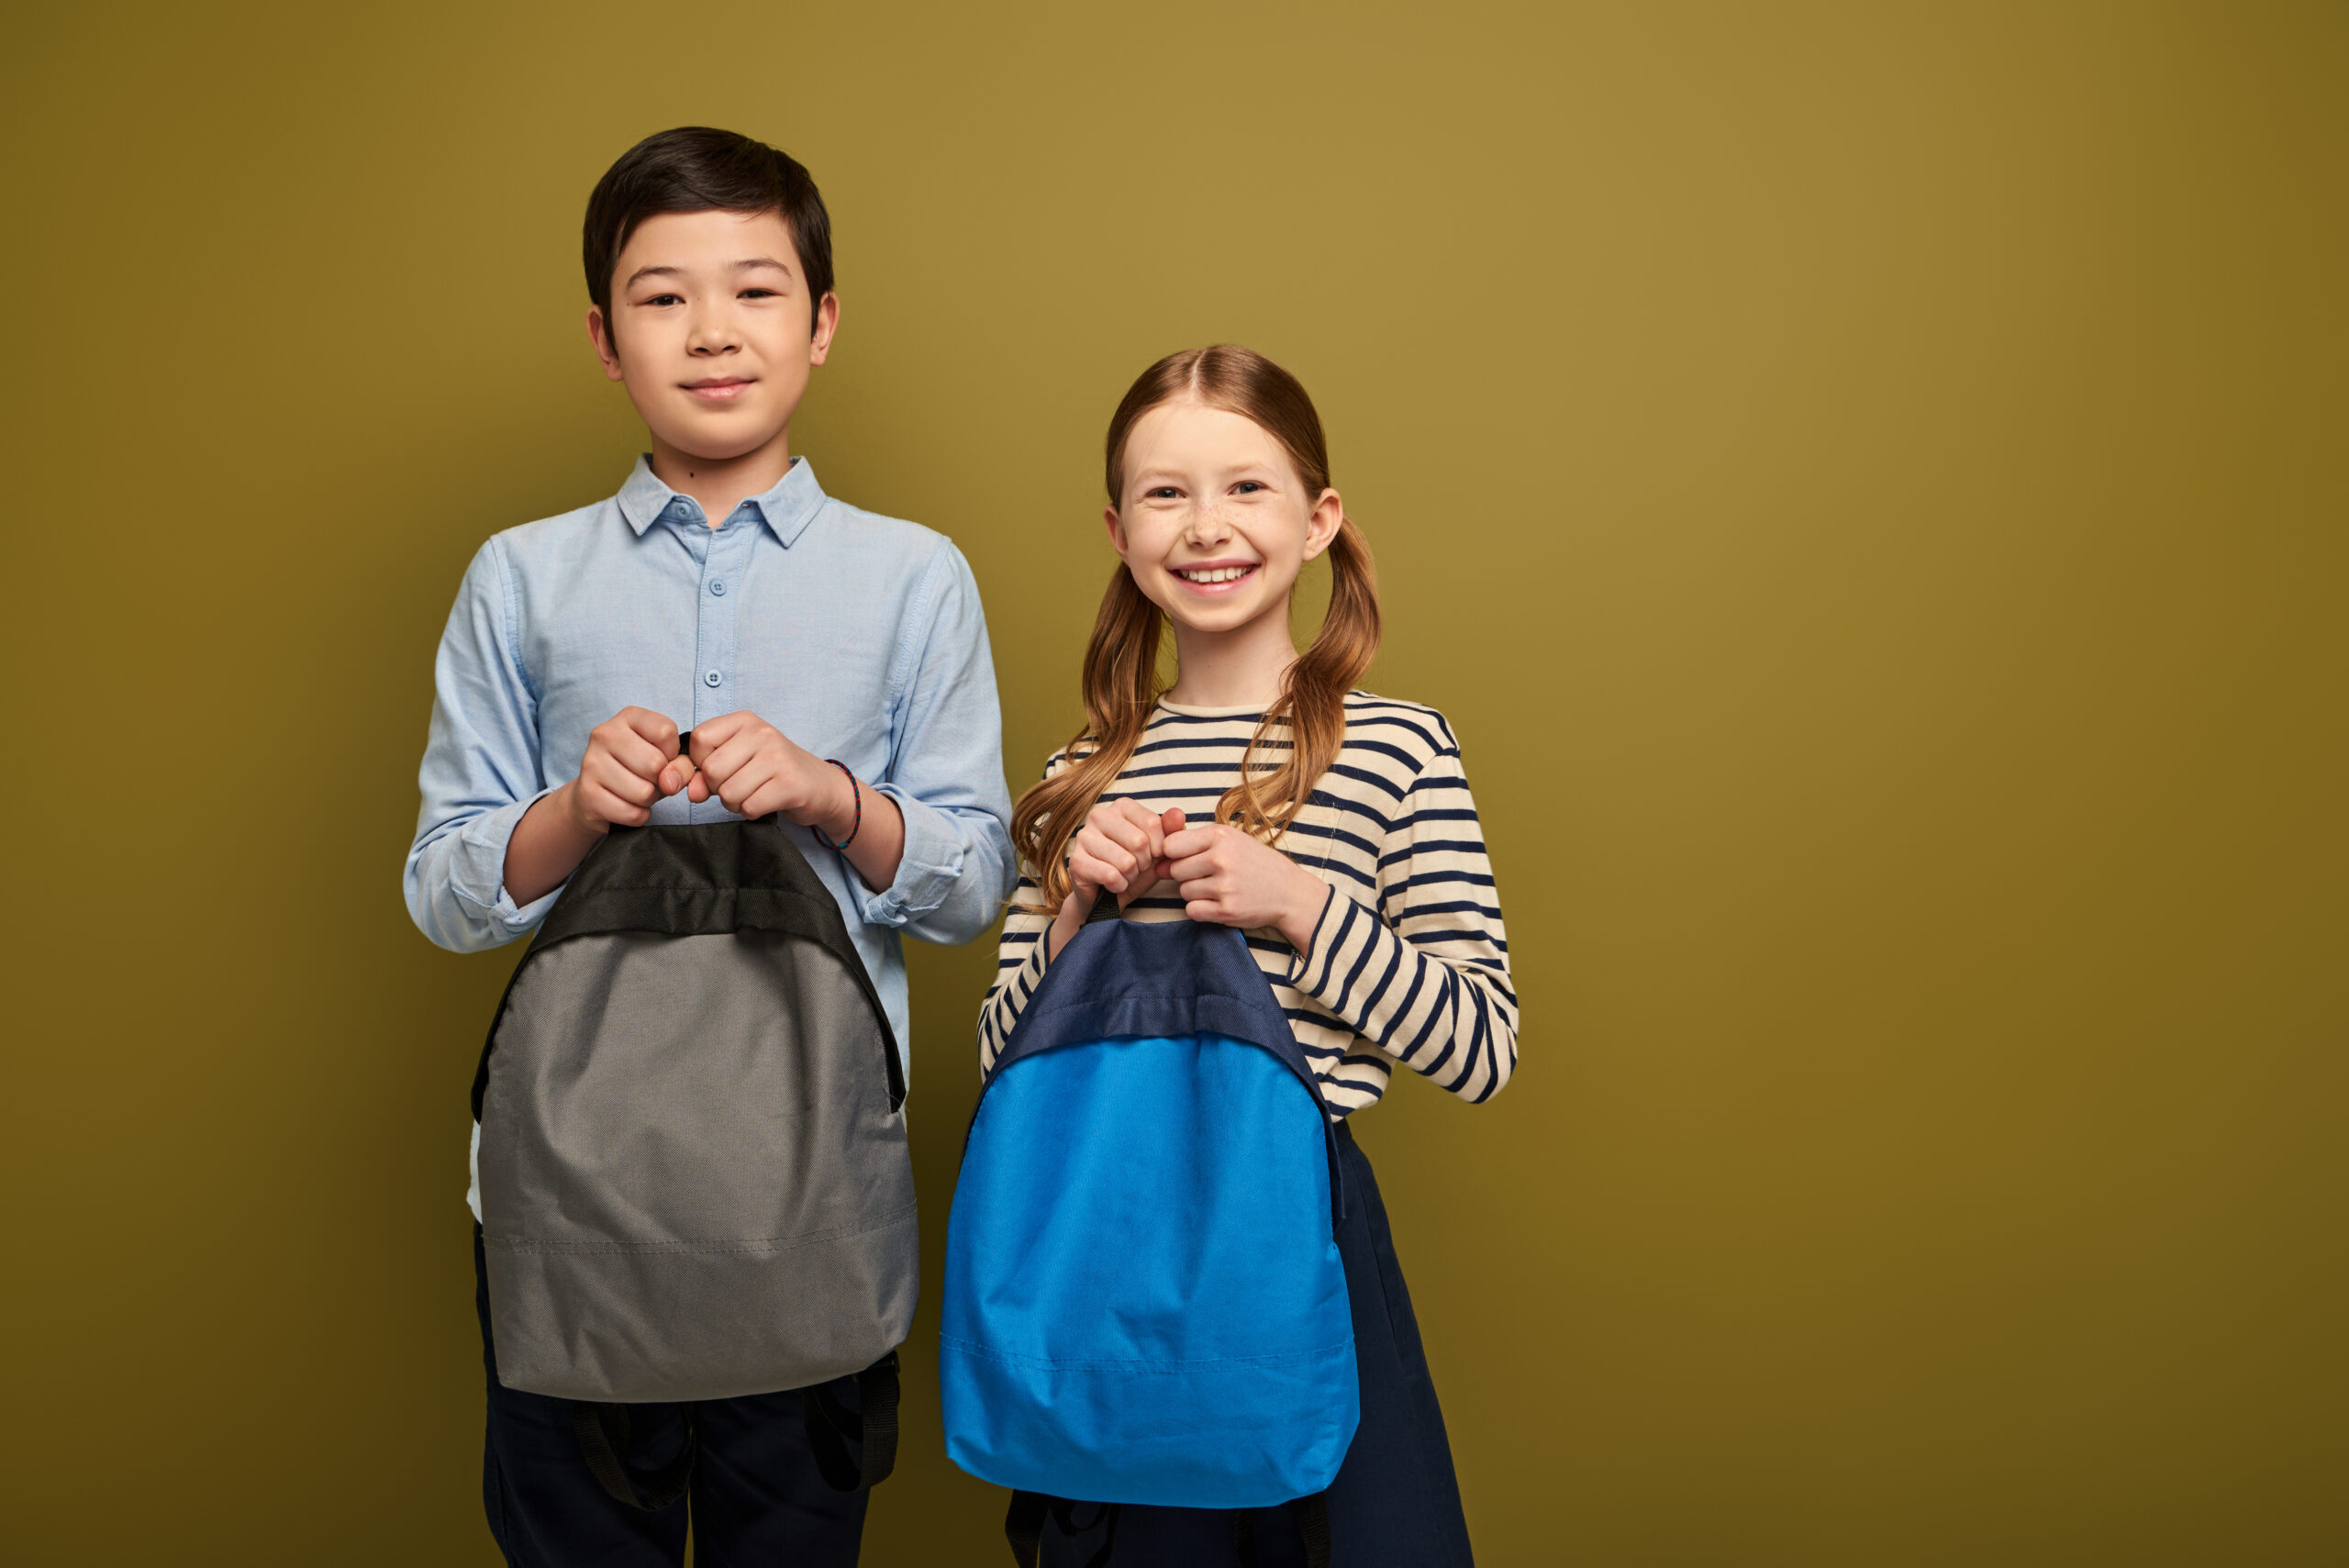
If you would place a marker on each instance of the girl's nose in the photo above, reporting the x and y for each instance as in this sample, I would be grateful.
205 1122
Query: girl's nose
1208 526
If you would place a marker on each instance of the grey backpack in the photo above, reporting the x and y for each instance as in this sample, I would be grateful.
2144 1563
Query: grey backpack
693 1174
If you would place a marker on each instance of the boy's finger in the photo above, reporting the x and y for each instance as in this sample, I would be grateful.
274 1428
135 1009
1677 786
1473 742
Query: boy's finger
675 774
615 779
658 729
726 754
697 789
635 754
712 733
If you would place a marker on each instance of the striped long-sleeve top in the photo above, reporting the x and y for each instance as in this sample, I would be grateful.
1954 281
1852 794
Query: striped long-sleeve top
1407 963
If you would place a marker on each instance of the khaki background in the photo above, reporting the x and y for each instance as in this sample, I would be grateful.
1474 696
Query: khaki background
1865 482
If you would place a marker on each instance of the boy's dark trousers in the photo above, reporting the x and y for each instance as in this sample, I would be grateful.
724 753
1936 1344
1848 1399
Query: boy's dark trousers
756 1496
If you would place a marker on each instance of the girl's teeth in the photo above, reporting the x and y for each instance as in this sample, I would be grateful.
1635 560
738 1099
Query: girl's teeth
1221 574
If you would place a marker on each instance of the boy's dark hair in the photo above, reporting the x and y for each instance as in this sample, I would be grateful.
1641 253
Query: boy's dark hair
697 169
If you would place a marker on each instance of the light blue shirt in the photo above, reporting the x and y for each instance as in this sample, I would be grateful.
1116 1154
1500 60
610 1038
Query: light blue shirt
859 637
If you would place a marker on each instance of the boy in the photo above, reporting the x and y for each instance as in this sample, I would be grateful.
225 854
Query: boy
830 665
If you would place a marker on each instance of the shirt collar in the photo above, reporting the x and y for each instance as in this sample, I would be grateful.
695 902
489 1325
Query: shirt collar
786 510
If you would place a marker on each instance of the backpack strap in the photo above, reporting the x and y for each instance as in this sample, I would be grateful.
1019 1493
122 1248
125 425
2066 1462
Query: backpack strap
832 1425
602 1431
1023 1526
1312 1528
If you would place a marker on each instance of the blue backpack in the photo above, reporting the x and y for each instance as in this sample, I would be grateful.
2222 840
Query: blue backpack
1144 1301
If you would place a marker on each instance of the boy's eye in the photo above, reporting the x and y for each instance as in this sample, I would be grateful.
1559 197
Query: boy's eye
1161 492
664 299
760 293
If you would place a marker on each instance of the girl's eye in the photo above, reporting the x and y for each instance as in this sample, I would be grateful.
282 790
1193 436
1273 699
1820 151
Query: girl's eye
1248 486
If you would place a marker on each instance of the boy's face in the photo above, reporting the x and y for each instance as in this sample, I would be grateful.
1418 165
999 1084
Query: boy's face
710 329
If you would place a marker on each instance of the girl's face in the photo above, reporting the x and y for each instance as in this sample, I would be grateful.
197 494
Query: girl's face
1215 523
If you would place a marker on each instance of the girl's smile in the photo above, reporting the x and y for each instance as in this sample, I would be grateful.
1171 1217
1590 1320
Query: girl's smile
1212 577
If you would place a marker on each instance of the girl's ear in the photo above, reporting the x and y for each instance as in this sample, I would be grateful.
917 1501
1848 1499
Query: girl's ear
1328 515
1117 530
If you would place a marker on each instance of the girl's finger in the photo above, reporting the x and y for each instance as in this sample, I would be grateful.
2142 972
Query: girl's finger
1191 868
1190 841
1120 829
1087 871
1153 830
1107 850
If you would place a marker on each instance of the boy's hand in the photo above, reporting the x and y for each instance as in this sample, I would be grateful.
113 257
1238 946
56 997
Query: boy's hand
753 768
1122 847
631 761
1231 879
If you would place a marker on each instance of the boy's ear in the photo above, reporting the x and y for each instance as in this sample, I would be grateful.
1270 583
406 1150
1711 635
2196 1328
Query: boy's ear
827 321
599 334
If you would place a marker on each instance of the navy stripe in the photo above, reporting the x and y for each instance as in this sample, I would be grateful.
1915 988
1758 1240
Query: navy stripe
1345 770
1402 1012
1218 792
1454 907
1434 847
1446 1011
1429 938
1422 879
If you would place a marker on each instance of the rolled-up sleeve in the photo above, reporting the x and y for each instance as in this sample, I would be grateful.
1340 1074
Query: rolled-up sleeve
946 769
480 771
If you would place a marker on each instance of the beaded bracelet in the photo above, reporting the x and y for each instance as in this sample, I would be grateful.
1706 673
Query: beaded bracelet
857 790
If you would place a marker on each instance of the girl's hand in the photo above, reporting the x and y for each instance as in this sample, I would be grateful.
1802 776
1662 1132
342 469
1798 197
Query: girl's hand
1230 879
1122 847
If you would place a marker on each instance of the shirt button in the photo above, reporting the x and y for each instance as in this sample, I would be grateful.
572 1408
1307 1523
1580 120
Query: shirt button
712 678
717 586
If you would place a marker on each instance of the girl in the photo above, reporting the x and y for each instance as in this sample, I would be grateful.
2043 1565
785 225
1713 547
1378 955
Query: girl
1261 791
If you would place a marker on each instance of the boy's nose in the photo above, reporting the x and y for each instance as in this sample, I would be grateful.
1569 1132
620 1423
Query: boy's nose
711 338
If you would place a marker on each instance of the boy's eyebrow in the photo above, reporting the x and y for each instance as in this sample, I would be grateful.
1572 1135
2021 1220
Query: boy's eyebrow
745 265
